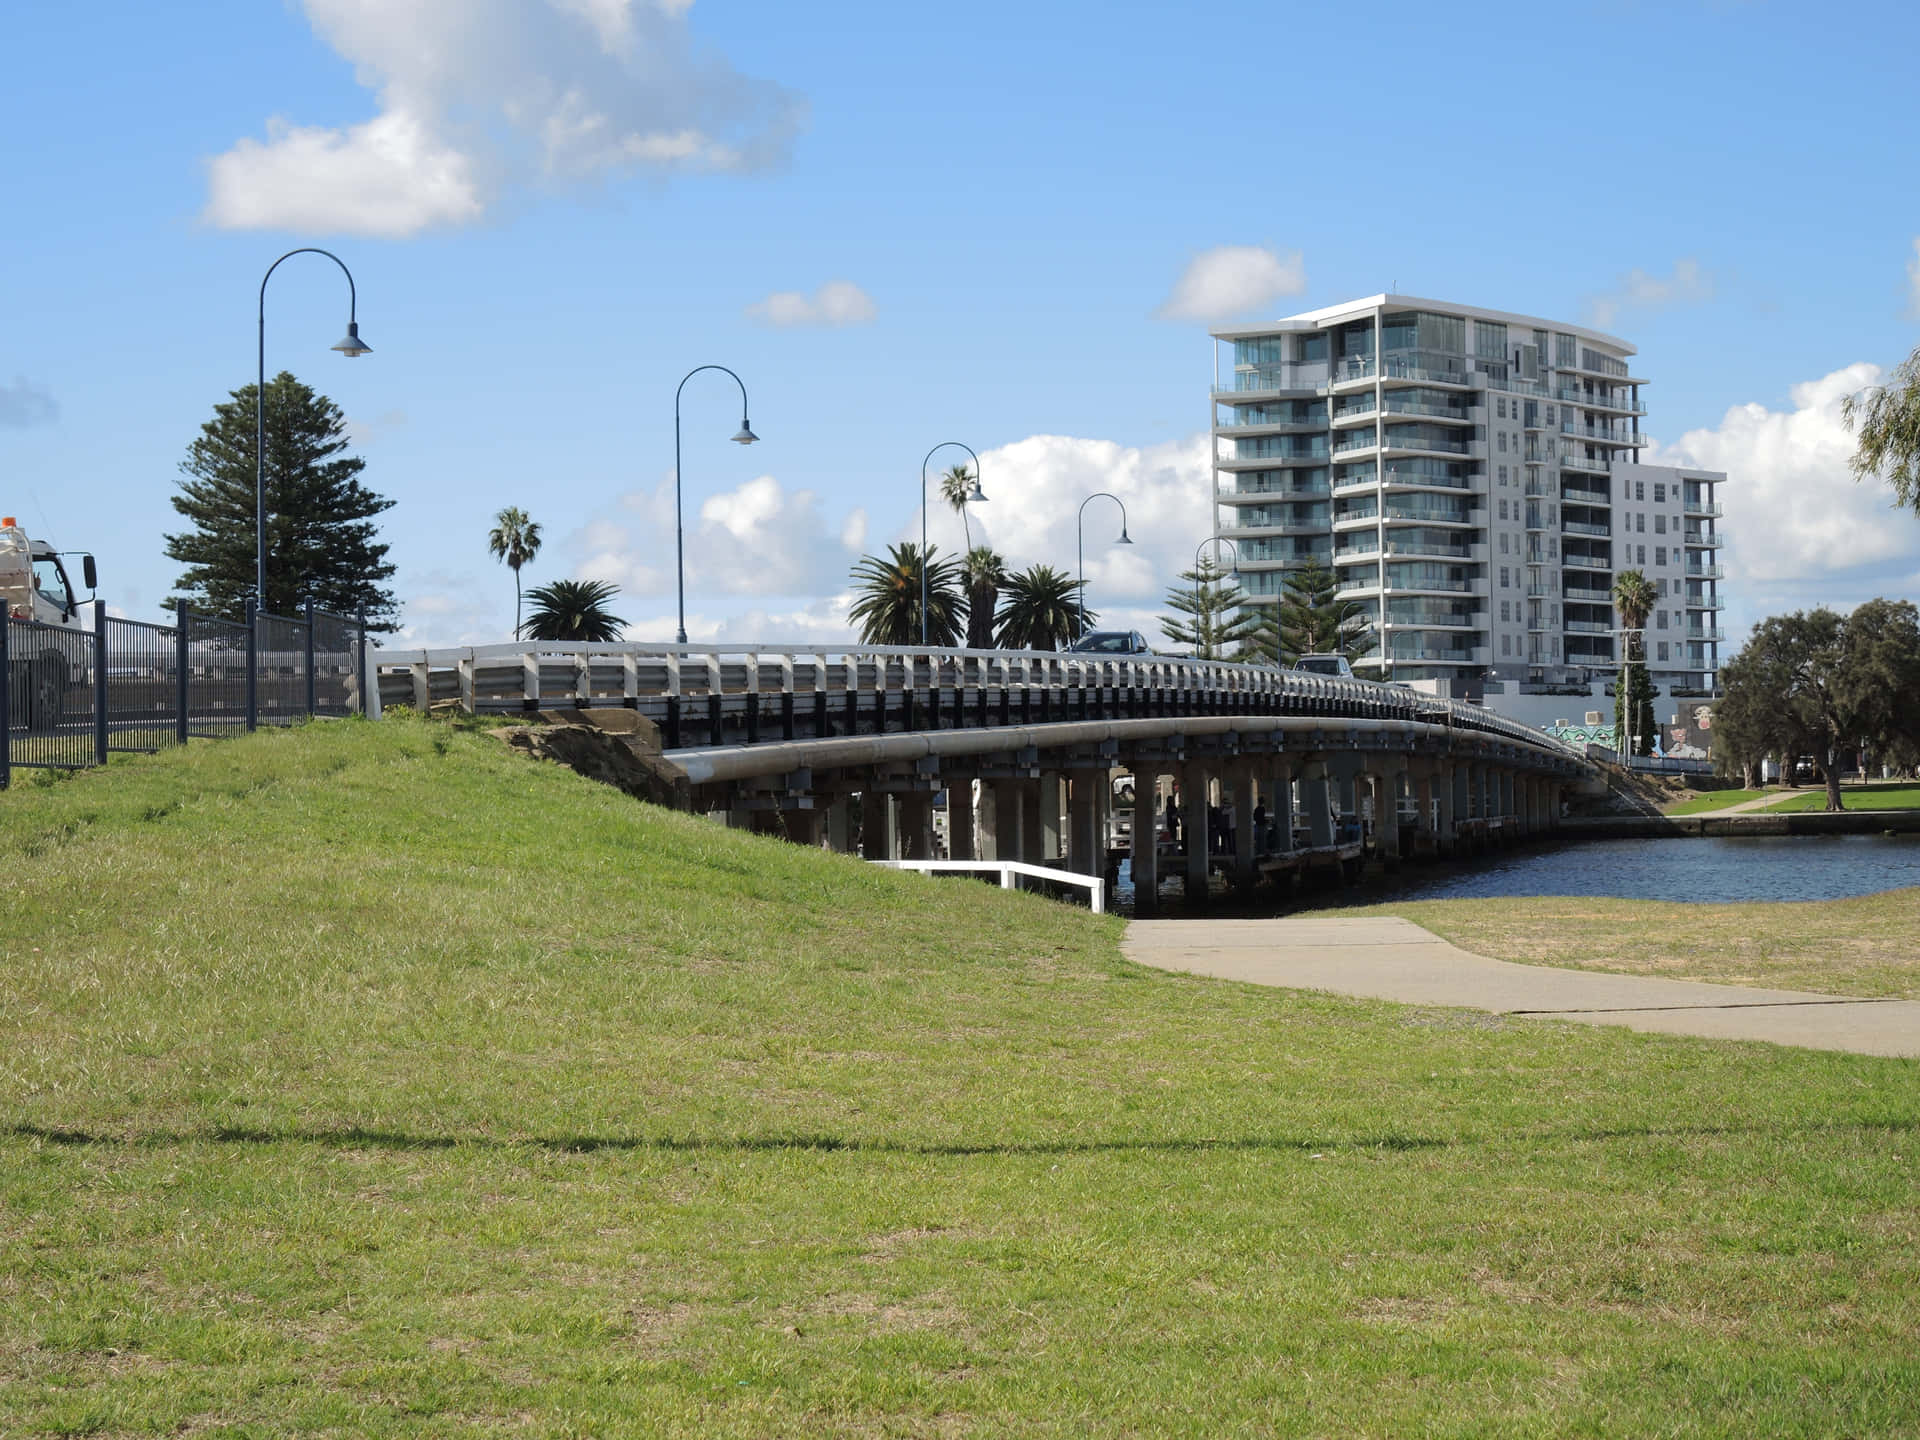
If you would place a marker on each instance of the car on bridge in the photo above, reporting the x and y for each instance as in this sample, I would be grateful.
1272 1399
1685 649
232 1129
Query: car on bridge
1111 642
1334 665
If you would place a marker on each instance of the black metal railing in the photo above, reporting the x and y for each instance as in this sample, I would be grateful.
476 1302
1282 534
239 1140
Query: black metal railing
76 693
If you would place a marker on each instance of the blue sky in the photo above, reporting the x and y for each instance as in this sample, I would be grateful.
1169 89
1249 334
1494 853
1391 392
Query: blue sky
555 208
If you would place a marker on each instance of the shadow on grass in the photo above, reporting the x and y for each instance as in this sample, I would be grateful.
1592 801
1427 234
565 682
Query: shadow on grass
373 1139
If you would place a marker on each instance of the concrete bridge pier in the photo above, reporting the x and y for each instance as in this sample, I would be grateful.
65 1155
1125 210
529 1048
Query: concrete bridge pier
1194 827
839 824
1144 862
1087 828
1245 836
1386 818
1316 790
914 812
1280 809
960 819
876 824
1052 808
1009 820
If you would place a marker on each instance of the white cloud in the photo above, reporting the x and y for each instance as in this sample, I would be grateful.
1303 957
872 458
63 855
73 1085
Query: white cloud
838 302
1688 283
1035 490
757 539
818 622
1230 280
477 95
362 433
24 403
1802 530
444 608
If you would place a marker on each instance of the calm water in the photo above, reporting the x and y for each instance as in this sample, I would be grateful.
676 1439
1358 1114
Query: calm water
1769 867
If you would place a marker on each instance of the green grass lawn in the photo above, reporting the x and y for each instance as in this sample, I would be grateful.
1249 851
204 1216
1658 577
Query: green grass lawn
1863 945
1715 800
372 1080
1888 796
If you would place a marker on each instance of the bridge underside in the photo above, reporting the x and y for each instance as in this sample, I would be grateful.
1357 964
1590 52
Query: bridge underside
1200 797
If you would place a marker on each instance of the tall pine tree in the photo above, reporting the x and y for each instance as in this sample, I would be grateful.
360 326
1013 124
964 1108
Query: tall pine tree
321 543
1213 621
1312 620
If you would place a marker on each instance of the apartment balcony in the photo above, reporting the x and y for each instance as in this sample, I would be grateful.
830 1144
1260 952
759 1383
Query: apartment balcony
1621 405
1427 367
1238 431
1419 409
1614 372
1580 495
1408 479
1699 602
1703 509
1352 415
1459 655
1233 464
1596 464
1401 445
1403 516
1579 527
1268 494
1705 542
1356 442
1282 377
1514 385
1590 597
1588 627
1704 572
1585 562
1354 367
1601 435
1442 552
1704 634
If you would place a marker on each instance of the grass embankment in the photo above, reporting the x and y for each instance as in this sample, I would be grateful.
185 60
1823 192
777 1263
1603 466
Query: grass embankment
1889 796
1713 800
1869 945
373 1080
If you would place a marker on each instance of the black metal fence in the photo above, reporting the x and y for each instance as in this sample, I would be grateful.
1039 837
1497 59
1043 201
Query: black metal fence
75 694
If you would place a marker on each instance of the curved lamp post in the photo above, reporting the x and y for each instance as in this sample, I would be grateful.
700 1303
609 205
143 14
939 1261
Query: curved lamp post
976 498
352 347
1080 543
744 436
1216 541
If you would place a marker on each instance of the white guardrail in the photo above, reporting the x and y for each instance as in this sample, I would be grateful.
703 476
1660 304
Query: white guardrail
1009 872
513 677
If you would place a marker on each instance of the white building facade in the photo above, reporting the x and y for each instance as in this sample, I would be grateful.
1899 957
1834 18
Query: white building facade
1473 478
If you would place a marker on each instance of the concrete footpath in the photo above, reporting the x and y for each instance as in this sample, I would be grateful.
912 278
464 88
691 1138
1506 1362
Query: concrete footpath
1392 959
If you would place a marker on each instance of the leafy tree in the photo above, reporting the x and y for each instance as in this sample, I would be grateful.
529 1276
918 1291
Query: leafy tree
515 538
1634 597
983 573
320 534
1888 417
1837 683
1312 620
1213 616
888 608
1041 610
955 486
573 610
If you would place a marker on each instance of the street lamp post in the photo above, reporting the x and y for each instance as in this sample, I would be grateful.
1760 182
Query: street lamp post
1080 544
744 436
1216 541
976 498
352 347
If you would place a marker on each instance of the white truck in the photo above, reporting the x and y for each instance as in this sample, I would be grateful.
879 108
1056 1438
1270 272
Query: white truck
48 657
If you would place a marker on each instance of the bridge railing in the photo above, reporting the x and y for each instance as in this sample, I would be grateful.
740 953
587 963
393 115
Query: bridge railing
668 681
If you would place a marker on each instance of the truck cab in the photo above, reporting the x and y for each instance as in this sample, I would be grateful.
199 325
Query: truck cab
48 651
33 579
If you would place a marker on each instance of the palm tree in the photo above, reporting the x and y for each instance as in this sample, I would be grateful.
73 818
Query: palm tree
573 610
1042 610
1634 598
888 610
515 538
984 572
955 486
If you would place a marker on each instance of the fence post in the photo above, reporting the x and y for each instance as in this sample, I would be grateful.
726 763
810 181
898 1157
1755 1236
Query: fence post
99 682
183 661
369 676
6 697
310 686
253 666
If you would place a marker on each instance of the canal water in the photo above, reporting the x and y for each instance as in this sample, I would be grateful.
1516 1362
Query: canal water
1722 868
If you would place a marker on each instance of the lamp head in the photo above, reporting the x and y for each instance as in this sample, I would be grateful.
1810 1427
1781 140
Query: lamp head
353 347
1125 539
979 496
745 436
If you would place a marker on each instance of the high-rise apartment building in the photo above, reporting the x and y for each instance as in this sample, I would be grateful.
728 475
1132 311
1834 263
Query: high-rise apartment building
1473 478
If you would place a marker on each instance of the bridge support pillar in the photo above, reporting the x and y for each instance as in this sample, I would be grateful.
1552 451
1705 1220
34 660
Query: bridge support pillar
915 812
1052 811
1317 791
877 841
1033 846
960 819
1425 828
1144 863
1194 826
1084 841
839 825
1280 810
1386 810
1459 804
1004 832
1245 836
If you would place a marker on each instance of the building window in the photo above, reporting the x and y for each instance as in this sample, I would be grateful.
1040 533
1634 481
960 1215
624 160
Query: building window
1659 493
1553 547
1549 414
1659 524
1661 648
1503 542
1503 508
1640 523
1506 611
1556 612
1503 474
1663 588
1643 556
1500 406
1502 438
1506 645
1660 619
1660 558
1504 572
1639 489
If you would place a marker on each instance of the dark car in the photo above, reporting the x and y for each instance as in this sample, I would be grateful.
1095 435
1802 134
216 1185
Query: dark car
1111 642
